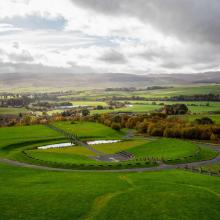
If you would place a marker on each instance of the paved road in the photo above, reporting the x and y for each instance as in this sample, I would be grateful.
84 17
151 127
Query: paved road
160 167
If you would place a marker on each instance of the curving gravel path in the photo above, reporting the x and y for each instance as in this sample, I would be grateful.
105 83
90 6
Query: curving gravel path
160 167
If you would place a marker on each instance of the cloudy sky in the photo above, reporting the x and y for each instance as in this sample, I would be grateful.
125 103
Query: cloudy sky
126 36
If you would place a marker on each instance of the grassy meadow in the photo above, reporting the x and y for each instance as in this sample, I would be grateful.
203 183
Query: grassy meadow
12 111
162 195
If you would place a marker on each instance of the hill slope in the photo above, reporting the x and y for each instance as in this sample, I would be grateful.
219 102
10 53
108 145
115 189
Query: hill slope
104 80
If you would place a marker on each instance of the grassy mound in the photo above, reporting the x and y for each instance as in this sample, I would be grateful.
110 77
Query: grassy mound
20 134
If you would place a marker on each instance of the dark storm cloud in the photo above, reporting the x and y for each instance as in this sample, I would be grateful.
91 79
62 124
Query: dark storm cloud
195 20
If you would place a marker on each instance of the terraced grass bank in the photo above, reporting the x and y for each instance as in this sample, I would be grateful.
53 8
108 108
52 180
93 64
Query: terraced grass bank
20 143
173 151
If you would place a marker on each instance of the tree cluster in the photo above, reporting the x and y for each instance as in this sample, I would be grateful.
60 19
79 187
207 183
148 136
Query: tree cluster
158 124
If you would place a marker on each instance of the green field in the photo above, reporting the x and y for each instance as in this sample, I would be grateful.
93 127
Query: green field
87 103
14 139
74 155
146 106
133 108
215 118
120 146
34 194
92 95
19 134
181 90
166 148
172 149
89 130
12 111
163 149
79 155
41 194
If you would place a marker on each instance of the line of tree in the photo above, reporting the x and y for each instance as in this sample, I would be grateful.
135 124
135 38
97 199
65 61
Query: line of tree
15 102
132 89
197 97
158 124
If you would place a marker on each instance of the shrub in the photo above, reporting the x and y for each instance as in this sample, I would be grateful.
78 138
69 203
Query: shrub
190 133
116 126
213 137
156 131
172 132
204 121
143 127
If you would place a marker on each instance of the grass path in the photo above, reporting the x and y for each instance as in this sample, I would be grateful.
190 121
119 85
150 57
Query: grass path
102 201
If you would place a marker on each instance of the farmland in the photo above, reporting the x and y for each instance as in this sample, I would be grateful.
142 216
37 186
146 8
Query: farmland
92 181
92 95
101 98
4 111
107 195
194 107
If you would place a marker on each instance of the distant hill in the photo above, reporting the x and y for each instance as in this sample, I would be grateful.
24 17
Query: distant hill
104 80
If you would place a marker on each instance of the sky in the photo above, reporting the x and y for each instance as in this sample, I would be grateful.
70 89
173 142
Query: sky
109 36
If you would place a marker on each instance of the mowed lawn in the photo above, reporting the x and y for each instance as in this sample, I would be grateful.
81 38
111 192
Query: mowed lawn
73 155
164 195
81 155
62 158
12 139
120 146
166 148
89 130
18 134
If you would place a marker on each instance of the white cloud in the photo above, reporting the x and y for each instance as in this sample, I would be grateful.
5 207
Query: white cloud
109 36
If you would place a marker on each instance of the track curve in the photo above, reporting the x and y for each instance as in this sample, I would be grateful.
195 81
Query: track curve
160 167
